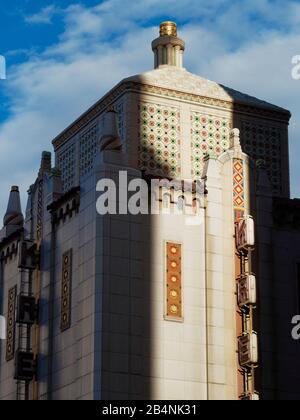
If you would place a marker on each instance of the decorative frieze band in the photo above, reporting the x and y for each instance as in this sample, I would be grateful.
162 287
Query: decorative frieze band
65 206
124 87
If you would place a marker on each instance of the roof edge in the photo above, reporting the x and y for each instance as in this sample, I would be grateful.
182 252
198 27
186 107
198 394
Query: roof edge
126 85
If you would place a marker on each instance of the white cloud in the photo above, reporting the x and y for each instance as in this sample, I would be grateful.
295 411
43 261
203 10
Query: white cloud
44 16
264 70
101 45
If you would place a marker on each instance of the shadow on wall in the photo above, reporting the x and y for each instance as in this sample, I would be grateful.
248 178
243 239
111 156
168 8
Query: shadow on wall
127 335
265 140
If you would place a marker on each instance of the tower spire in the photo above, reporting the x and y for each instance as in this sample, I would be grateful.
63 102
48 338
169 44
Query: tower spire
168 48
13 215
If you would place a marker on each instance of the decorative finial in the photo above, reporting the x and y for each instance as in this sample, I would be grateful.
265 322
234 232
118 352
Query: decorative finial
45 163
168 48
235 141
110 139
55 186
168 28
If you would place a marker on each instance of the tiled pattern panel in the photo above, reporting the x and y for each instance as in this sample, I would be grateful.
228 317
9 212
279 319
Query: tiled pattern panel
173 281
88 141
66 163
263 142
238 188
121 121
66 286
10 332
210 136
160 140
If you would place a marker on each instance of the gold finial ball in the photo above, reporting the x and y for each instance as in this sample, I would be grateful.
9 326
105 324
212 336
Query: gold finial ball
168 29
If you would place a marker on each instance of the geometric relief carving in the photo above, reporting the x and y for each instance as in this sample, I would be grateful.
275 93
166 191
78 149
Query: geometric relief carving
159 149
263 142
173 280
39 217
66 292
119 107
238 188
210 137
66 164
88 141
10 329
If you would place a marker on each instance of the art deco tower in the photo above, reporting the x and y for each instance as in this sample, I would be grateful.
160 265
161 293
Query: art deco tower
147 306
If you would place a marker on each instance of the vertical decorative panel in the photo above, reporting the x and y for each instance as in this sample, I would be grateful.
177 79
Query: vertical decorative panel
66 163
66 291
39 217
160 140
10 329
173 280
210 136
121 121
238 188
88 141
263 142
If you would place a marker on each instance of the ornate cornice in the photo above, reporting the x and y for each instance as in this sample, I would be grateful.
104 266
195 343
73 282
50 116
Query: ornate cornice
9 245
130 86
66 205
262 111
90 115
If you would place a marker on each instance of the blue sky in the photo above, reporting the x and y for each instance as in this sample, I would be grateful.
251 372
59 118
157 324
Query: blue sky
64 55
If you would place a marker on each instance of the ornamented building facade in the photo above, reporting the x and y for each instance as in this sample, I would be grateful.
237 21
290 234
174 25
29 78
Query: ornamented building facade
128 306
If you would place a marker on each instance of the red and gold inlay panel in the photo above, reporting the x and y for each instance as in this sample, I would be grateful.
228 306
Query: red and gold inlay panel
173 280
